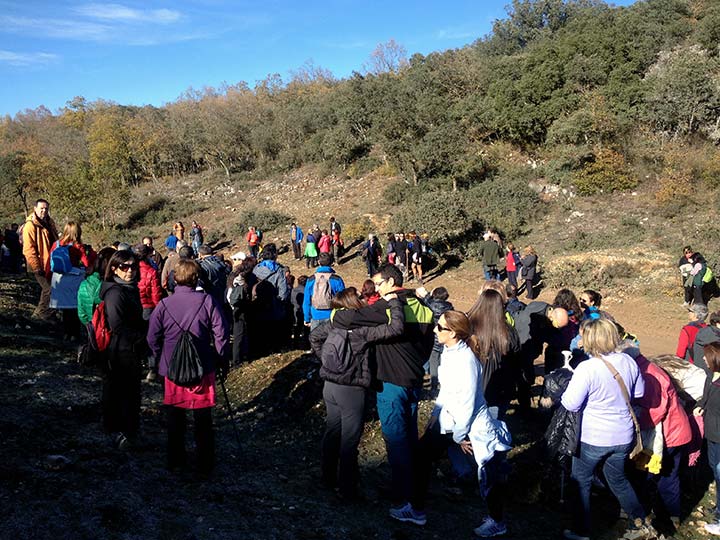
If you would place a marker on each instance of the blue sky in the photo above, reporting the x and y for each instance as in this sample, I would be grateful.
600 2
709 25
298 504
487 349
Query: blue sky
135 52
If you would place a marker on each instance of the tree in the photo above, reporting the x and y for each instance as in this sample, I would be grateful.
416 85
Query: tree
388 57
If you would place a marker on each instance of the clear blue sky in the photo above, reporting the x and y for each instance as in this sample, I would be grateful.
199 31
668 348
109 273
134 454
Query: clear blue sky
140 52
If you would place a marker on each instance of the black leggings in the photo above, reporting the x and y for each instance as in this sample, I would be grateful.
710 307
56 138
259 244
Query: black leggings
204 438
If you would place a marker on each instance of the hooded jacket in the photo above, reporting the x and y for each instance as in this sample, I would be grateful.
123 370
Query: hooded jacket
438 307
399 359
361 340
709 334
270 274
38 238
123 312
149 286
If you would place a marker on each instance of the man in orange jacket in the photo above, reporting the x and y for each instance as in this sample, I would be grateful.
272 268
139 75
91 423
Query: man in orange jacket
39 234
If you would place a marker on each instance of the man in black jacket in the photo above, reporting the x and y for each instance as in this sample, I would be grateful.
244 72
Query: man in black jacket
400 375
534 325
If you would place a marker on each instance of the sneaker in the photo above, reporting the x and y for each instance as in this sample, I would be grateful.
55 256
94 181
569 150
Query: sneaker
151 376
490 528
408 514
567 533
713 528
641 532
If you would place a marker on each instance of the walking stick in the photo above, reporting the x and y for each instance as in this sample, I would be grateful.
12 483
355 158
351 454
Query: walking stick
231 415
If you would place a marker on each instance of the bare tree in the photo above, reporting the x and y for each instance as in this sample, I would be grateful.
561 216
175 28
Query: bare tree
389 57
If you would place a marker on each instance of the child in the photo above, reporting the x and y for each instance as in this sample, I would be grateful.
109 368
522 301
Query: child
709 407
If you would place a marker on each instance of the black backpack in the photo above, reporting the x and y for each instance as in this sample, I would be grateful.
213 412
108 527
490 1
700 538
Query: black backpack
186 368
337 354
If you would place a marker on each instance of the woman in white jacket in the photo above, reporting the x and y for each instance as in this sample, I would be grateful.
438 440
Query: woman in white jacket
461 417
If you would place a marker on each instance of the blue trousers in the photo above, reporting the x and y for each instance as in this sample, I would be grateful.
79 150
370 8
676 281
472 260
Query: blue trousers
397 409
714 462
612 459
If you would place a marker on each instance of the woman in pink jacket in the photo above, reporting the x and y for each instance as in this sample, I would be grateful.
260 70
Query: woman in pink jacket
662 406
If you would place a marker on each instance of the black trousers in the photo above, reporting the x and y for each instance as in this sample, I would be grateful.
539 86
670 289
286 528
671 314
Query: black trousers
296 250
121 398
344 426
240 340
204 438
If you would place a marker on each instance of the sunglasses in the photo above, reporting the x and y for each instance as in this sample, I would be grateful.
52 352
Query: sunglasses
442 328
125 266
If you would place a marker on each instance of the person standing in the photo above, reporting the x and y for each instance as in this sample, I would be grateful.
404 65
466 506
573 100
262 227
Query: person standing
198 313
320 288
311 251
400 374
602 387
529 269
121 362
39 234
512 260
371 254
154 258
337 243
296 238
491 256
196 236
252 242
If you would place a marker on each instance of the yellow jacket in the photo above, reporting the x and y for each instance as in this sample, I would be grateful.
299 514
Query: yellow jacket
37 243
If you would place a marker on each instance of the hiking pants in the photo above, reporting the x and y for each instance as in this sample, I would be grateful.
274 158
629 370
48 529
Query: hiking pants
43 311
204 438
512 278
529 288
240 342
121 399
296 250
345 406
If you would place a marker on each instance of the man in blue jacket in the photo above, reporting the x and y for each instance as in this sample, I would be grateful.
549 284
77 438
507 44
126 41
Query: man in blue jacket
320 289
296 237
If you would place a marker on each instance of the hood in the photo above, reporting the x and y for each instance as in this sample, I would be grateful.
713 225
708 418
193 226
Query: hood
265 269
326 269
107 285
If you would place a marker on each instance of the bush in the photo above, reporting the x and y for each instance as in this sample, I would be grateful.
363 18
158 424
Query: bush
674 188
587 273
357 230
160 210
607 173
265 220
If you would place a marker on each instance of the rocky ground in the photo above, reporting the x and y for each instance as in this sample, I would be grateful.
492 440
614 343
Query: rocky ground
62 479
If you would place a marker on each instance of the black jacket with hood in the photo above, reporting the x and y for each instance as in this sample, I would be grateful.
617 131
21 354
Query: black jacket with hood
399 359
123 312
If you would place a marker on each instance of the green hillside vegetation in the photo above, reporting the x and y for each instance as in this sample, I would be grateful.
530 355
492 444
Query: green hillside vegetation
592 98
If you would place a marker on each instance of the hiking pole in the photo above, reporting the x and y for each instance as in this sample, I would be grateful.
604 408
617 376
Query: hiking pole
231 414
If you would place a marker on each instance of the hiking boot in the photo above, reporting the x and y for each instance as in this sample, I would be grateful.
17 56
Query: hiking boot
490 528
408 514
570 535
713 528
151 376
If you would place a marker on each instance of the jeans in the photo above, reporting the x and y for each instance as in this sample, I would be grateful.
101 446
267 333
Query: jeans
512 278
613 459
397 409
345 406
668 481
491 272
714 462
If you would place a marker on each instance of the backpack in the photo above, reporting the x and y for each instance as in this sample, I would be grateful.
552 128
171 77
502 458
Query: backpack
60 259
259 234
336 355
322 292
185 368
99 333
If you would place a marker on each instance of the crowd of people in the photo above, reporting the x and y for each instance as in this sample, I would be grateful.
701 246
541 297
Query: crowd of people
378 342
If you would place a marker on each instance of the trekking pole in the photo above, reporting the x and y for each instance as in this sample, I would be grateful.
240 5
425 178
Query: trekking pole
231 414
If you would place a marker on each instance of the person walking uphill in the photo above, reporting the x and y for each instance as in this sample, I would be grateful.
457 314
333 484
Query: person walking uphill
121 362
320 289
400 374
491 255
196 312
39 234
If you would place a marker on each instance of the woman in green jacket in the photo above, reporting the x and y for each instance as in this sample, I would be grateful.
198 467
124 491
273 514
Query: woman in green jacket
89 291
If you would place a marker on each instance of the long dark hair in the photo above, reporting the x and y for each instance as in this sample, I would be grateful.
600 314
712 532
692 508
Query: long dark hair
489 326
119 257
566 299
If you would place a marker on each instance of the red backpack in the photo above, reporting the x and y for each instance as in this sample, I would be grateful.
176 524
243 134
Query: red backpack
98 329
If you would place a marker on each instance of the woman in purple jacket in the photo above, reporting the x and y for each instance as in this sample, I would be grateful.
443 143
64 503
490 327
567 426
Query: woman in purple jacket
607 431
198 313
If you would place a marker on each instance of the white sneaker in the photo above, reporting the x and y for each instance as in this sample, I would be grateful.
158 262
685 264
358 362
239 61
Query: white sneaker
490 528
713 528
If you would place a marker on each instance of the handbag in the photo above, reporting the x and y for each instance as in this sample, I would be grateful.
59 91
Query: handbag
638 437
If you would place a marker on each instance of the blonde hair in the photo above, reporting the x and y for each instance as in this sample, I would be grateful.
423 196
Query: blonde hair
530 251
494 285
600 336
72 233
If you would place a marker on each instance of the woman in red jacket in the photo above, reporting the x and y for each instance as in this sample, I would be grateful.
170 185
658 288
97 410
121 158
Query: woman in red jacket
149 284
661 406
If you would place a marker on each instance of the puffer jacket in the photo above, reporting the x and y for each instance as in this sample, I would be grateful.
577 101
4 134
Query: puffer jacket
88 297
38 239
124 317
149 286
438 307
563 433
361 339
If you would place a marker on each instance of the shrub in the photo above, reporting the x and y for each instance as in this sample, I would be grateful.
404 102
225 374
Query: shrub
357 230
674 188
265 220
607 173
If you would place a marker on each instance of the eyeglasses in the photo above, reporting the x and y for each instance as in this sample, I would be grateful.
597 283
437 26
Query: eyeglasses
378 283
126 266
442 328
